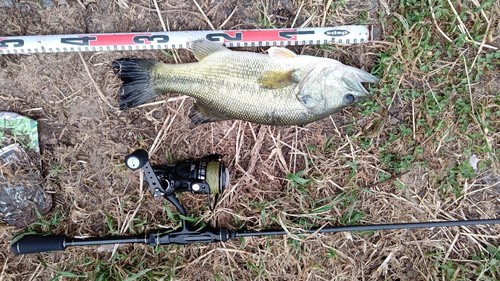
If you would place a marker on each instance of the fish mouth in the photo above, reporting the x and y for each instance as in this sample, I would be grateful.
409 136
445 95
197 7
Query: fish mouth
355 86
354 79
363 97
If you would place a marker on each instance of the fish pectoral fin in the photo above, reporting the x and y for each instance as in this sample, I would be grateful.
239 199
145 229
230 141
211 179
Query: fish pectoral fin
277 79
201 114
281 53
202 48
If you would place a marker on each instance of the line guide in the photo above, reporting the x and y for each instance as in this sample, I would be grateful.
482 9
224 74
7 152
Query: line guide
346 34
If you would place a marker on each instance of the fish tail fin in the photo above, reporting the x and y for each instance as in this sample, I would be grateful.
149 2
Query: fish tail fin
137 87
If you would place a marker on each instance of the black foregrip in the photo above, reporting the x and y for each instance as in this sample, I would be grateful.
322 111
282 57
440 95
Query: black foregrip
29 244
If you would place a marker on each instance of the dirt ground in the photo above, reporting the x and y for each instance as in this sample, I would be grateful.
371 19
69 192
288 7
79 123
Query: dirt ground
84 139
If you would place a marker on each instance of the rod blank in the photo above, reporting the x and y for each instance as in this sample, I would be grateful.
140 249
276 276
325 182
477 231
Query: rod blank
373 227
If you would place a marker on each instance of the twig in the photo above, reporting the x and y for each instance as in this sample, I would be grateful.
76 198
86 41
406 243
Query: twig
384 266
436 24
3 269
191 264
81 4
461 26
308 21
35 274
169 11
123 4
101 95
228 18
128 219
328 4
413 118
162 132
204 15
297 14
162 101
255 155
451 247
482 45
475 191
159 16
468 85
464 29
476 3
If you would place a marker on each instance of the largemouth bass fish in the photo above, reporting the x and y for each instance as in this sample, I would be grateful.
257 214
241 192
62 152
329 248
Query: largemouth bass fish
280 88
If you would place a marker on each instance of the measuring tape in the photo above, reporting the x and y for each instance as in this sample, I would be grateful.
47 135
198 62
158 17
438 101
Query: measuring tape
347 34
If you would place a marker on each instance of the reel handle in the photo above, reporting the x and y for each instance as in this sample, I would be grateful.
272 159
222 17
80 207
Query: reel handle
137 159
31 243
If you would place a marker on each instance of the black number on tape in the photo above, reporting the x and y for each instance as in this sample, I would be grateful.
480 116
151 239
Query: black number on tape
218 36
144 39
290 34
16 43
78 41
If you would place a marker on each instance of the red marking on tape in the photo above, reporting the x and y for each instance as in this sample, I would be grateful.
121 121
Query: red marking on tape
115 39
266 35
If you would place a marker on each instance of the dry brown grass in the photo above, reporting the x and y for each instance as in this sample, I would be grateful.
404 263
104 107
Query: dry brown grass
84 142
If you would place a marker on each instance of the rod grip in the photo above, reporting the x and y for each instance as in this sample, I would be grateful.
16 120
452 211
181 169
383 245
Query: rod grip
31 243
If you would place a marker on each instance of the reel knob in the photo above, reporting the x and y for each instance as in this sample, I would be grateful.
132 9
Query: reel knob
137 159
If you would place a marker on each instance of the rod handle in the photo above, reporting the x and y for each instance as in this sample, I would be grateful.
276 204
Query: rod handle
31 243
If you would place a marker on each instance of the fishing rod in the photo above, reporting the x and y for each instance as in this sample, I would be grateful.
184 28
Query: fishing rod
39 243
98 42
208 176
44 243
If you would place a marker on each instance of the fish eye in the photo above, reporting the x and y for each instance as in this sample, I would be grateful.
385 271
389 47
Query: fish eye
349 98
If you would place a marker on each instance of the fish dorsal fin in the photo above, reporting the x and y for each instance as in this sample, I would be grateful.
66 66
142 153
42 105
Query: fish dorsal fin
281 53
277 79
202 48
201 114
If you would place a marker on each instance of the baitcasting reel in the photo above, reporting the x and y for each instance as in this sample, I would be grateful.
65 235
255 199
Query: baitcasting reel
207 175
